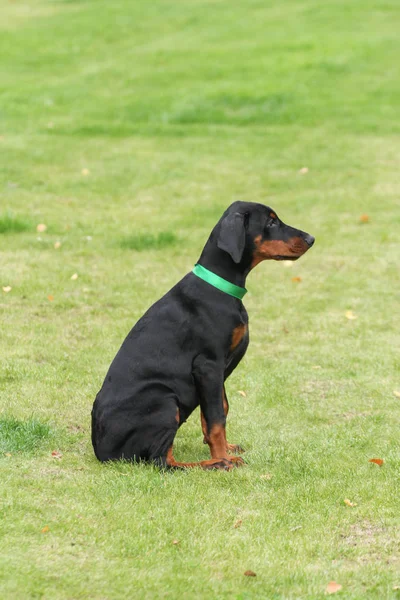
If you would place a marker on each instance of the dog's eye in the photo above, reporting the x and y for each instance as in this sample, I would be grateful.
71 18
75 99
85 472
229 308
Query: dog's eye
272 220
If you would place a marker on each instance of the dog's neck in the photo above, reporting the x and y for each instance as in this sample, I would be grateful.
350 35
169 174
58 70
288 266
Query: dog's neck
219 262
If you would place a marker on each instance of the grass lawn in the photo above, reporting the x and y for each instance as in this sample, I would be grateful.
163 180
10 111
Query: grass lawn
126 128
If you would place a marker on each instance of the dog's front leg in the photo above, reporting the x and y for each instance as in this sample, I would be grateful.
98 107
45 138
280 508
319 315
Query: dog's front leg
208 376
231 448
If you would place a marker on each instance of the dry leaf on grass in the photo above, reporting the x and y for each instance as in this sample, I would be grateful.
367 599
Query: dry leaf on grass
7 288
50 298
333 587
250 573
296 279
350 315
45 529
377 461
303 170
56 454
85 172
349 503
238 523
175 542
8 454
74 276
364 218
75 428
41 228
395 392
242 393
57 245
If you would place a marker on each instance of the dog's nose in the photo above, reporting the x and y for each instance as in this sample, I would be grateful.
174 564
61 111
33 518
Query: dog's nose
309 239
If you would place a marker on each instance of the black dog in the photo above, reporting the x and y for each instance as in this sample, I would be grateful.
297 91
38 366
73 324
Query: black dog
180 352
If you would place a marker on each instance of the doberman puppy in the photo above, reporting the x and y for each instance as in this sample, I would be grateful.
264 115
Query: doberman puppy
179 354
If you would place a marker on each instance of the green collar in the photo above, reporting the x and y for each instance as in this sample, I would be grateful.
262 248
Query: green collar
219 282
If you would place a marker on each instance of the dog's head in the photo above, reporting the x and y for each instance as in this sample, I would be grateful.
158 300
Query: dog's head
251 232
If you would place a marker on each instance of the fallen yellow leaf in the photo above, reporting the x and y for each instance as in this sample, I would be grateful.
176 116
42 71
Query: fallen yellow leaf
296 279
350 315
349 503
7 288
242 393
175 542
377 461
50 298
74 276
238 523
395 392
45 529
85 172
364 218
333 587
303 170
57 245
41 228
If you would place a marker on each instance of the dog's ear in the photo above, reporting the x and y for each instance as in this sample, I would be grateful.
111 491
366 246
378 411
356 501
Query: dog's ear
232 235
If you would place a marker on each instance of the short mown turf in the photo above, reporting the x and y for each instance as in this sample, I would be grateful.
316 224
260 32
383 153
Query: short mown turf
126 128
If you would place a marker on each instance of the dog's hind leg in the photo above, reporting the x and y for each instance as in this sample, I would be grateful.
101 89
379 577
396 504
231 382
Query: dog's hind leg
169 462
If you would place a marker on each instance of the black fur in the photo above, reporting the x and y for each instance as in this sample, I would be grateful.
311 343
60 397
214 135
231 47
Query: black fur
179 354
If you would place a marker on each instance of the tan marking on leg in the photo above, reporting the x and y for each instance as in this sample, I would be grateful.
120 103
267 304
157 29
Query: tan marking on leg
217 441
230 448
204 428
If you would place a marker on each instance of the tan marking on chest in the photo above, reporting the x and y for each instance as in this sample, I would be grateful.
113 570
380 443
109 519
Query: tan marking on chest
237 335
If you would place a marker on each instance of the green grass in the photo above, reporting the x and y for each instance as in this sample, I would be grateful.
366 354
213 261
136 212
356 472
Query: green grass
22 436
149 241
11 224
127 128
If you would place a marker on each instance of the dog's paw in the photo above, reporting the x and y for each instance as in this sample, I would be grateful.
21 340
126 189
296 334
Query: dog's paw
222 464
237 461
234 449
